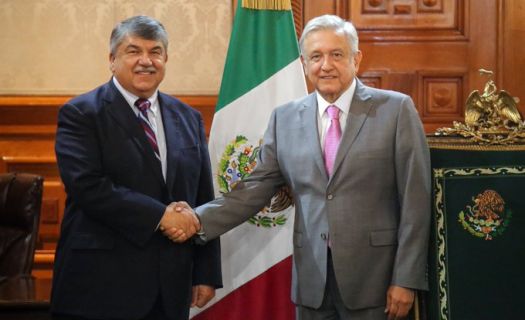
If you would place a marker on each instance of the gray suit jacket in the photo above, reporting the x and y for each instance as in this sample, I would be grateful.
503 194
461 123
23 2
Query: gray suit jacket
375 207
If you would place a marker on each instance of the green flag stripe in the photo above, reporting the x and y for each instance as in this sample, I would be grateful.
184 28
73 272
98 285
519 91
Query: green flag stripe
262 42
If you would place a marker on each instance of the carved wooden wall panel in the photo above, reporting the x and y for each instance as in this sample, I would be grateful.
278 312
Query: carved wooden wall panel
511 49
442 96
406 15
314 8
374 79
297 9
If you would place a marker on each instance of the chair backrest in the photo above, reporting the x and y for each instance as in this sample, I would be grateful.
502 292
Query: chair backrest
20 203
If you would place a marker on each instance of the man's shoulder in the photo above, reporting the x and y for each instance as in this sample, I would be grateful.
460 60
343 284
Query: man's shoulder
93 98
381 98
383 93
297 104
175 104
169 99
388 101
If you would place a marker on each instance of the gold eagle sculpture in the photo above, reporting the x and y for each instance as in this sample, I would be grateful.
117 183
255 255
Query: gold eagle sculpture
491 117
491 110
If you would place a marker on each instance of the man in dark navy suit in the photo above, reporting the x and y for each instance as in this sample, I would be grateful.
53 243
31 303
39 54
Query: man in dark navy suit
126 152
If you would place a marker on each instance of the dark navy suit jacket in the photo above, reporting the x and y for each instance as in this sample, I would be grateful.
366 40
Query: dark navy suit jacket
111 261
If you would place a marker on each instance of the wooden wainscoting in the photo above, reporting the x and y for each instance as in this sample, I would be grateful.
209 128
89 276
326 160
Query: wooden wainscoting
34 117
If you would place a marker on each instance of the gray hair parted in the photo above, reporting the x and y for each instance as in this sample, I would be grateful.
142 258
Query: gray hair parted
331 22
141 26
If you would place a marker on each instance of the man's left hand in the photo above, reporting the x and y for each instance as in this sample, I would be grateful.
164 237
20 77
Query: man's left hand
201 295
399 301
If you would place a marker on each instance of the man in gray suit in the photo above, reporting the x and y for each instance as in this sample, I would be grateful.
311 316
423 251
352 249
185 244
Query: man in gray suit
363 209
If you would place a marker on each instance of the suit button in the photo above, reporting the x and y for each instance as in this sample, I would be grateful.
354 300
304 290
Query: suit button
330 197
324 236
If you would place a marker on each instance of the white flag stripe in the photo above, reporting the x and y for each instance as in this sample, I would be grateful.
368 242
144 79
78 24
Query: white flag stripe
248 251
250 113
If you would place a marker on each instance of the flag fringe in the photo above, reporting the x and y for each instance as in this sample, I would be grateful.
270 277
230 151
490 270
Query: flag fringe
267 4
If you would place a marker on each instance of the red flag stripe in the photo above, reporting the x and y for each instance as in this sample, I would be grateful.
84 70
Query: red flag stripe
265 297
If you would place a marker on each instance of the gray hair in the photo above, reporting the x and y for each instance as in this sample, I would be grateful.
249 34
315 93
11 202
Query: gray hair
139 26
331 22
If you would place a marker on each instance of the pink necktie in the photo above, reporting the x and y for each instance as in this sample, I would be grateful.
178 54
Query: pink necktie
332 138
143 105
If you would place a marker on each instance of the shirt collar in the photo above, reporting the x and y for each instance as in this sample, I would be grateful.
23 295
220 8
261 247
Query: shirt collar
343 102
131 98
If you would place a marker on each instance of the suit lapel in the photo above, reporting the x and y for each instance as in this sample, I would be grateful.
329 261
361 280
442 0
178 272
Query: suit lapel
361 104
123 115
171 123
308 115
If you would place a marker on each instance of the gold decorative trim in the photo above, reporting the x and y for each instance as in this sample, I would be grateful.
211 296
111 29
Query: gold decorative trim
267 4
460 143
441 258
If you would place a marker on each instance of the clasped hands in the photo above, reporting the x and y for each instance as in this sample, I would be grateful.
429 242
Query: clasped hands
179 222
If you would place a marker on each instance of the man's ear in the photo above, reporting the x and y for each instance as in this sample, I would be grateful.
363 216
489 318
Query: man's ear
303 62
111 62
358 56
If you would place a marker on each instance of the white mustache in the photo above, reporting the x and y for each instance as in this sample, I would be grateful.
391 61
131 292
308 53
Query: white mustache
145 70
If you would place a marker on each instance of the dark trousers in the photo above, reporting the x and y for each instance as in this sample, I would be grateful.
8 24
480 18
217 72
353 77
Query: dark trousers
156 313
333 307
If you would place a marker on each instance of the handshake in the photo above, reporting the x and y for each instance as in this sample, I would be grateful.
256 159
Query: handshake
179 222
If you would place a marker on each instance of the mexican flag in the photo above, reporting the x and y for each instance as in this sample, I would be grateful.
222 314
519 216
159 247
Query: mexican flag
262 71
